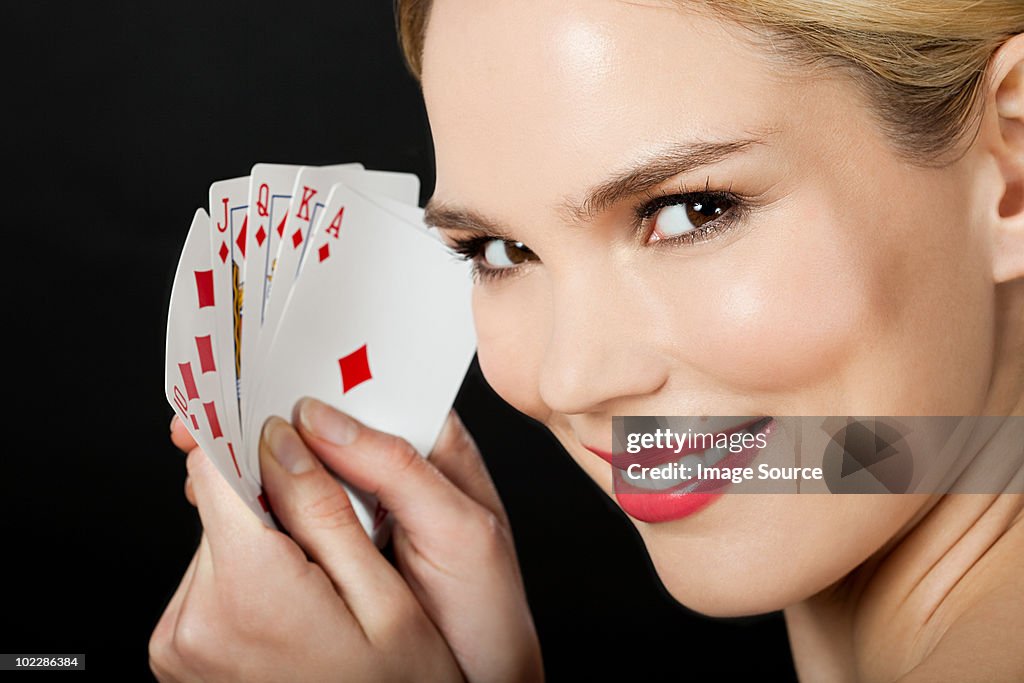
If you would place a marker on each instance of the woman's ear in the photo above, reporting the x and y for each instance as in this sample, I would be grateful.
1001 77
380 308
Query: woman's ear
1006 99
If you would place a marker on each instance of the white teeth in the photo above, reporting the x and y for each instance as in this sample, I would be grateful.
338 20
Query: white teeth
713 455
685 470
668 479
654 483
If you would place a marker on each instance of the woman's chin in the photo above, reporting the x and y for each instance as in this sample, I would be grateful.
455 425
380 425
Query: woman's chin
741 577
731 593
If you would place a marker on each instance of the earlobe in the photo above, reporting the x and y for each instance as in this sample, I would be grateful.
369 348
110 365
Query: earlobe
1007 88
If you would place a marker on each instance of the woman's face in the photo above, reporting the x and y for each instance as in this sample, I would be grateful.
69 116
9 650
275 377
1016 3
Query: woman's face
827 277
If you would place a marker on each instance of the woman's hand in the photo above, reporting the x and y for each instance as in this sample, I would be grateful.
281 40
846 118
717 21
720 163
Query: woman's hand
251 606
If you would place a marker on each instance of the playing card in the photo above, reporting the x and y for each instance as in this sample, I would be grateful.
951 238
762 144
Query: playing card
326 254
270 192
312 188
410 213
191 378
378 324
402 187
228 243
284 181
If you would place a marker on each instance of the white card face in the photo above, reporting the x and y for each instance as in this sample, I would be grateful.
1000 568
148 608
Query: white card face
379 324
191 377
228 232
401 187
410 213
311 191
276 235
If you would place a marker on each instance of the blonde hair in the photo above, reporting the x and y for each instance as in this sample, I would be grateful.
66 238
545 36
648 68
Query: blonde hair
920 63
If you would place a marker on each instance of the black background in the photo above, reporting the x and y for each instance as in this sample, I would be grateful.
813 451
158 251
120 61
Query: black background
117 119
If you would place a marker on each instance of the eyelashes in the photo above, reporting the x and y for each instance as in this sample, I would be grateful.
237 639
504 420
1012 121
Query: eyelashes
672 220
481 248
487 252
686 218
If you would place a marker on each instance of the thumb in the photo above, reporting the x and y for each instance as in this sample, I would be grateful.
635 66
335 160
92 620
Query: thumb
429 507
456 455
318 514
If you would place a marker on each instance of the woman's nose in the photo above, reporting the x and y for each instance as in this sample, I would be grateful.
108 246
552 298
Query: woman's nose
600 348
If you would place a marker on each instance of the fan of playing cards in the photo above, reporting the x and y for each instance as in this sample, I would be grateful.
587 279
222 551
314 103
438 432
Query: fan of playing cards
321 282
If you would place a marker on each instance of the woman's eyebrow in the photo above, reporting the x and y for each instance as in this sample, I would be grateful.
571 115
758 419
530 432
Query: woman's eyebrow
649 172
653 171
442 215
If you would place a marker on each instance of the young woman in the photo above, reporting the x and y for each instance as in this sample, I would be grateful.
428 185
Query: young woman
675 208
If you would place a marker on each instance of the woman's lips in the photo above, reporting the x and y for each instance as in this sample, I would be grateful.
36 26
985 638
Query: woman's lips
687 497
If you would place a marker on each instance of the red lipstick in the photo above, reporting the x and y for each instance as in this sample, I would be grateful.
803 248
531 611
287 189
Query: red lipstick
686 498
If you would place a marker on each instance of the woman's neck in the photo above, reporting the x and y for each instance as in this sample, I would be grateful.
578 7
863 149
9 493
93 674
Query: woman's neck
958 556
888 616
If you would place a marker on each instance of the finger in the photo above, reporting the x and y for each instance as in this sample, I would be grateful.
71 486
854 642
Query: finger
458 458
450 542
233 532
316 510
190 495
180 436
422 500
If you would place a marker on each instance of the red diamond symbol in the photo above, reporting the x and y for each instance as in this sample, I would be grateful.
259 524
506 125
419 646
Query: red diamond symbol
280 226
241 236
324 251
355 369
260 236
223 253
297 238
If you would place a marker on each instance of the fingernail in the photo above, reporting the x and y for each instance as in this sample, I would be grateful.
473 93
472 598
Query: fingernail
327 423
286 447
174 418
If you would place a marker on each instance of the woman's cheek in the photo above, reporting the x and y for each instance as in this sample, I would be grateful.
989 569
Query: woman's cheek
512 329
784 316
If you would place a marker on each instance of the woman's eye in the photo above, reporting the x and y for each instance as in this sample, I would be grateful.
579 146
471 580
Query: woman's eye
498 253
686 216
